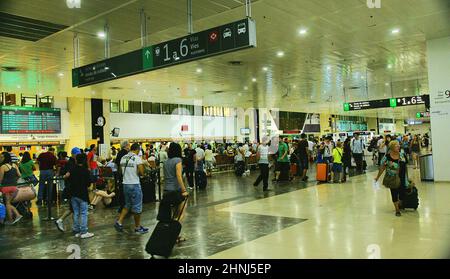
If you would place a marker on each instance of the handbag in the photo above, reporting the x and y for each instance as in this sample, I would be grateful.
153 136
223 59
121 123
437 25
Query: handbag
391 181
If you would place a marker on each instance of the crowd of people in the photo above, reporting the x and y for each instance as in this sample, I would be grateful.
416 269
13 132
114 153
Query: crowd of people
78 176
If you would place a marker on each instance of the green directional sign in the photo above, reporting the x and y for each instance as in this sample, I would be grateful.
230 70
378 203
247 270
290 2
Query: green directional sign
147 58
418 115
346 107
215 41
393 102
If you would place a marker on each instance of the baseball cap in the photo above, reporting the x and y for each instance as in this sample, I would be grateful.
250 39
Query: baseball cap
76 151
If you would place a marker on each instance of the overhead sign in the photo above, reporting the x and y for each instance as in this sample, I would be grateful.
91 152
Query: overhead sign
423 114
218 40
386 103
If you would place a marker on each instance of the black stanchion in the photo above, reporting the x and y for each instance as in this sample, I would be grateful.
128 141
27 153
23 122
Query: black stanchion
159 184
49 201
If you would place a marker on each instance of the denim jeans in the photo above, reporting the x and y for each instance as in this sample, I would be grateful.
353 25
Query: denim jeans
80 210
45 175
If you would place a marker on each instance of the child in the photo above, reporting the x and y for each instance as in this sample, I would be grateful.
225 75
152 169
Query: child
337 162
80 181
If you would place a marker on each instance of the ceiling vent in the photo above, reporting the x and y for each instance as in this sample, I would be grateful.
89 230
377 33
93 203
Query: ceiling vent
27 29
115 88
218 92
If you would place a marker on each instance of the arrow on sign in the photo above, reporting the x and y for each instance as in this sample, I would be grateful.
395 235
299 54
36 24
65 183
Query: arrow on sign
147 54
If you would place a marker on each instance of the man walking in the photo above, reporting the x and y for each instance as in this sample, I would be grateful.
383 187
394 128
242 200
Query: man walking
132 168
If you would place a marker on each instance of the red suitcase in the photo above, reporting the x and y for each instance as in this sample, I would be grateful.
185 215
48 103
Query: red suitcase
322 172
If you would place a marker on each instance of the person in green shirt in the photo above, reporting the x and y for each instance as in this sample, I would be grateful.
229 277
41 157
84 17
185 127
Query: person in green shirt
27 167
337 162
283 159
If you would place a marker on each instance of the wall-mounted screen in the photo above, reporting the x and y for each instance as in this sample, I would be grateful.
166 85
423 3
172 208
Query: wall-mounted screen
24 120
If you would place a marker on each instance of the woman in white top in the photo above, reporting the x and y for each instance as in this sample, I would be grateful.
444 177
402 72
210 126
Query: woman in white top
263 160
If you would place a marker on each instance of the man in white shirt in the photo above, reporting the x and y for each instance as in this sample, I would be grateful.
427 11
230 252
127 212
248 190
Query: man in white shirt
357 147
132 168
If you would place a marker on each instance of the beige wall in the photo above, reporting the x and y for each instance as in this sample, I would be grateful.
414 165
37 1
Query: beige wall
399 127
324 125
371 123
78 115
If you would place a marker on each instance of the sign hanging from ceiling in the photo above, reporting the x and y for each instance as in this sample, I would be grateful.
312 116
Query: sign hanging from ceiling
386 103
218 40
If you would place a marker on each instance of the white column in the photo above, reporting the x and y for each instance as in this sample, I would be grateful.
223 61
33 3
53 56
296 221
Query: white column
438 54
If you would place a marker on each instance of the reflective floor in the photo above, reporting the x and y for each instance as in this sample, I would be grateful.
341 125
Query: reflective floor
232 219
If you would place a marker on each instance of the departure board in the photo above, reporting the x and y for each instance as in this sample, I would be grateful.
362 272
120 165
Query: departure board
21 120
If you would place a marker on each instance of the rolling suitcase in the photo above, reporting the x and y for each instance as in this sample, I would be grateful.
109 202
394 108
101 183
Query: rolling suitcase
322 172
165 236
294 170
411 199
148 189
200 179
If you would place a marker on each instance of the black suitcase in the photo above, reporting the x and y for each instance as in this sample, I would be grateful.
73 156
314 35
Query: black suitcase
239 168
411 199
164 237
148 186
200 179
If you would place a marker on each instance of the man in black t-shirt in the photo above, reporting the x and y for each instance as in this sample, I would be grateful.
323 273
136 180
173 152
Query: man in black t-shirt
303 156
189 164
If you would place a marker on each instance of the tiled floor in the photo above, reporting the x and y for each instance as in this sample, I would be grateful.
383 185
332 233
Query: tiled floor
295 220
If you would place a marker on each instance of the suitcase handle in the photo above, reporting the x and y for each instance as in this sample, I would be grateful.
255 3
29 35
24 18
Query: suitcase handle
181 211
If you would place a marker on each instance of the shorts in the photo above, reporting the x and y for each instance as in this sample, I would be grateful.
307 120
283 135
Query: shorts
133 197
304 163
337 167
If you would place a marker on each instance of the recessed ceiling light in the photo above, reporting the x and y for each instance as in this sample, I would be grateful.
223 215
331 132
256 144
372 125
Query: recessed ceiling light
389 66
294 86
139 83
18 86
106 68
265 69
406 89
387 84
199 70
395 31
254 79
60 74
245 87
101 35
280 53
328 68
40 94
303 31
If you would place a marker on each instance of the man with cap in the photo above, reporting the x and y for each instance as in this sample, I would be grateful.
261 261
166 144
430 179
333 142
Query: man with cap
70 165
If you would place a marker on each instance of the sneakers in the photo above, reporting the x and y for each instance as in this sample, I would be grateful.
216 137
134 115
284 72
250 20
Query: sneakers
141 230
86 235
60 225
91 207
118 227
77 235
